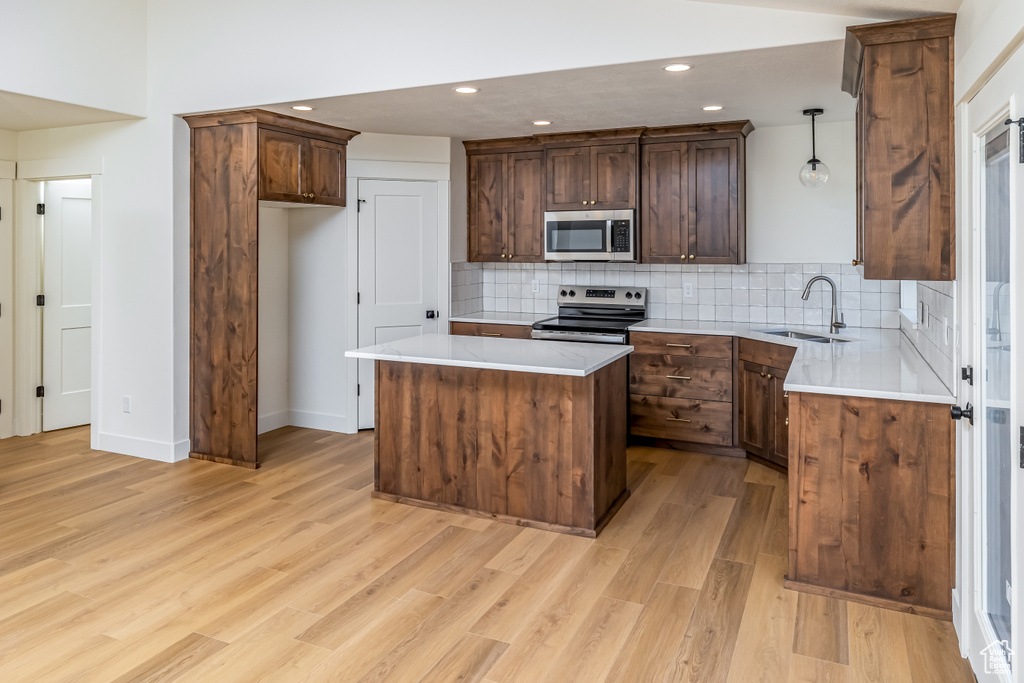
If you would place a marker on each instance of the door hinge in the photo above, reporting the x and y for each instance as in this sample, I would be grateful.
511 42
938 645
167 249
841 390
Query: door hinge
1022 448
39 392
359 205
40 299
359 390
967 374
41 209
359 298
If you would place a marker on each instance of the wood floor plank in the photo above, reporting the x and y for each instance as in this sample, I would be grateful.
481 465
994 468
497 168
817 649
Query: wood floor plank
775 538
811 670
689 561
821 628
710 639
468 660
591 651
741 540
878 647
932 651
522 551
646 560
176 661
765 639
651 649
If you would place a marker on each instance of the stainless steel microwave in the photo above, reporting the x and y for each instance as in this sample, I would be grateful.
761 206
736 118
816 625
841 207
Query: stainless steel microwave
589 236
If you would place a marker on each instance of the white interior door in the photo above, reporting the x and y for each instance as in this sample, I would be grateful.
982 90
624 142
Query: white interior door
67 314
399 282
991 467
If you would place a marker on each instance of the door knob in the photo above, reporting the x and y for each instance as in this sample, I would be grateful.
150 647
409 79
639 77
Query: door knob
431 315
956 412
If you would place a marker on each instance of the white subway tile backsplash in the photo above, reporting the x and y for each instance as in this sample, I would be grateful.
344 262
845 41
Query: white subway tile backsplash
759 293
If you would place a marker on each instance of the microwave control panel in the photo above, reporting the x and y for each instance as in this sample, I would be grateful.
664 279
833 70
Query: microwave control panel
620 236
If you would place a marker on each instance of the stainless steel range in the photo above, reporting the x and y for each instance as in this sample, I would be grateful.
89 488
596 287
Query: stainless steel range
588 313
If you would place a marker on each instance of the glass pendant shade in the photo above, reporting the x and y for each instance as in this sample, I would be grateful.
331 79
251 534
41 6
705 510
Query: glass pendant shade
814 174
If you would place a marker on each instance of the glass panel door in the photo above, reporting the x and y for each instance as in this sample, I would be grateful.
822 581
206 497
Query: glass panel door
997 457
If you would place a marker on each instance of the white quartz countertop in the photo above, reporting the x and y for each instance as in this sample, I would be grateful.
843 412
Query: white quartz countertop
500 318
874 363
513 355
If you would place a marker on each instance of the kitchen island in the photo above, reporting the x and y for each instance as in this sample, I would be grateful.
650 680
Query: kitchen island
524 431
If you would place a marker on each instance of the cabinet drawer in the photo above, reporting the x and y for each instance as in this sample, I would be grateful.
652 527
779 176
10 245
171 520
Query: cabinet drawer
709 379
491 330
707 346
774 355
681 420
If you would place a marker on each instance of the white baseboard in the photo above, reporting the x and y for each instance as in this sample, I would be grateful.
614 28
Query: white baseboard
324 421
161 451
268 423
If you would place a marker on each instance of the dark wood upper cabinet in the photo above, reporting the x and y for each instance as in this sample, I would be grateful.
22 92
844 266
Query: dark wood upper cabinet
901 72
505 202
237 159
591 176
568 178
692 204
300 169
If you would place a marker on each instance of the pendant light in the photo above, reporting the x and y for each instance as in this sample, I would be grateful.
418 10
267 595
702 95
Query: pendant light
814 174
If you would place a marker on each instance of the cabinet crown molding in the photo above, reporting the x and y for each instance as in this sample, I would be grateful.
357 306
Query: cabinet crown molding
272 120
610 135
864 35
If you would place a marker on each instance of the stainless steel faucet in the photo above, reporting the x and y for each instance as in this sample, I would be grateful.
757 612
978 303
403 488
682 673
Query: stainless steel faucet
834 325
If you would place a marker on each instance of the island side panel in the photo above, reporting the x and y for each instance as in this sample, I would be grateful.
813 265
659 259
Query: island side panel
610 436
522 445
872 501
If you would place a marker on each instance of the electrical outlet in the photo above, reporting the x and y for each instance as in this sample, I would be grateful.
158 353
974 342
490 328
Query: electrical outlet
535 284
687 290
126 404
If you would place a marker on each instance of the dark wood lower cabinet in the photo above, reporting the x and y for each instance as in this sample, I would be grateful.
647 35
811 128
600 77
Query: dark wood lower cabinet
754 408
547 451
872 501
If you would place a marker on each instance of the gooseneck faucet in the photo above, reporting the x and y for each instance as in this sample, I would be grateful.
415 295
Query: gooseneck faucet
834 325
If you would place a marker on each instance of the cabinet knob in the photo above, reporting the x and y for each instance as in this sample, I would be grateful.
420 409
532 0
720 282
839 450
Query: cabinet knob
691 256
787 421
502 256
857 263
682 256
510 255
769 377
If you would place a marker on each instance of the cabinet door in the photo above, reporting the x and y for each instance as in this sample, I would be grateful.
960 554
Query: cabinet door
487 218
714 235
613 176
664 203
325 178
568 178
526 206
282 166
754 408
778 419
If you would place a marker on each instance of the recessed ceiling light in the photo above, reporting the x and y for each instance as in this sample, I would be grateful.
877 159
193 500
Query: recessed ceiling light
677 67
713 107
302 107
466 90
542 123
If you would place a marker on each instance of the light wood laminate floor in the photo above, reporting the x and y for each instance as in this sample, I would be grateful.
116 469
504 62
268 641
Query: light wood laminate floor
119 569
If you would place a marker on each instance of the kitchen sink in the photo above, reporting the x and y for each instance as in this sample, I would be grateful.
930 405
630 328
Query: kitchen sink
804 336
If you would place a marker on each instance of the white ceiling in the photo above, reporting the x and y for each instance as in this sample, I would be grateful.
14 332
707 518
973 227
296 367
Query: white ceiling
770 87
22 112
872 9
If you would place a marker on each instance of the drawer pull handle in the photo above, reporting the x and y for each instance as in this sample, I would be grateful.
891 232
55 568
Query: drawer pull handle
677 377
678 419
489 334
680 346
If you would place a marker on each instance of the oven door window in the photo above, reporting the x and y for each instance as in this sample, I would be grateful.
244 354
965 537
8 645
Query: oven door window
577 236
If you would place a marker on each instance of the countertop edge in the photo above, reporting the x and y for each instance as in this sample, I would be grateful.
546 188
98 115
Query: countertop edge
486 365
484 318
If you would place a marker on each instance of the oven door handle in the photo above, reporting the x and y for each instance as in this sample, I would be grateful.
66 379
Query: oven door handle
555 335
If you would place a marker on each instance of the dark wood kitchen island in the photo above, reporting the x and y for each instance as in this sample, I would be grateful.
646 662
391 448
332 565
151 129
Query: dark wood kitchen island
523 431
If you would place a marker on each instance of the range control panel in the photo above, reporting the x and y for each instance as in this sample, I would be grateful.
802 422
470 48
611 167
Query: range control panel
618 297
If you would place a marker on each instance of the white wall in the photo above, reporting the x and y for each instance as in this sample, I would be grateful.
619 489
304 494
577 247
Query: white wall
459 238
318 302
8 145
413 148
787 222
986 32
274 324
87 53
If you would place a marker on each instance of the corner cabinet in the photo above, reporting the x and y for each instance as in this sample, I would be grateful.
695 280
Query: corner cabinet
693 194
763 401
237 160
505 200
901 73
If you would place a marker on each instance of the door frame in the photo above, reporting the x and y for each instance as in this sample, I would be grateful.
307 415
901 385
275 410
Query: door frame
7 176
28 269
973 633
391 170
